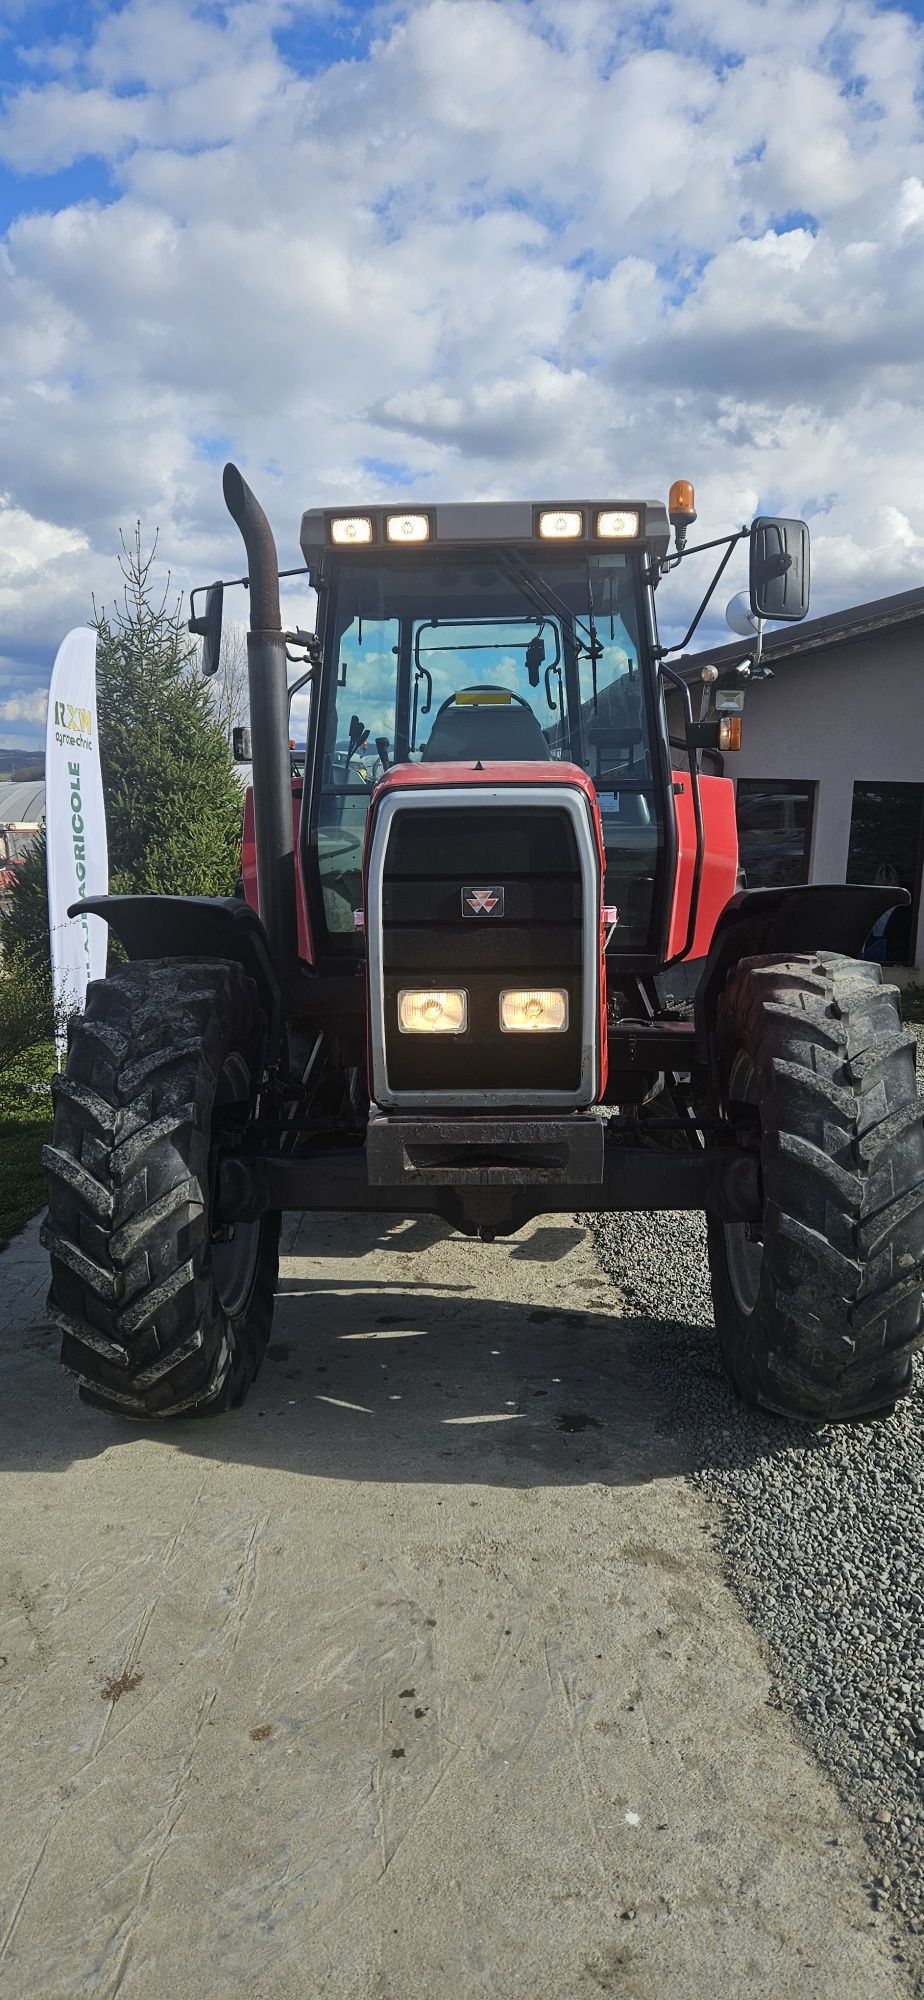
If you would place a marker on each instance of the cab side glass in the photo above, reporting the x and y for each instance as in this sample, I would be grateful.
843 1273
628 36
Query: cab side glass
779 580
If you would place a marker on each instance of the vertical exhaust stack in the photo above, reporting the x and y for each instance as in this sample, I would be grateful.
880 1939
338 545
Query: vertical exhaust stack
269 720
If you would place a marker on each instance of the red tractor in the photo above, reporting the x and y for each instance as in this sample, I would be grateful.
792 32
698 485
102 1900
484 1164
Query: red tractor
443 986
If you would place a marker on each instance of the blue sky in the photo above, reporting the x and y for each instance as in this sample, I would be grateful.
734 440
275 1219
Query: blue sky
453 247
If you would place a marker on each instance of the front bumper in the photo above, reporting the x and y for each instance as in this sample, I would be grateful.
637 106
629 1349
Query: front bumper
484 1152
488 1175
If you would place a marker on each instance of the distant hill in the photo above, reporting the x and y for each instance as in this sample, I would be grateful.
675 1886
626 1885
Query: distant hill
22 764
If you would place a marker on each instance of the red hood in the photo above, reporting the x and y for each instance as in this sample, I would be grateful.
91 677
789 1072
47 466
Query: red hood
413 777
402 777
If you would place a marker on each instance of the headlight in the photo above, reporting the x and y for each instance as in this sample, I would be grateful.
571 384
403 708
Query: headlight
562 525
541 1010
620 523
407 527
352 529
432 1012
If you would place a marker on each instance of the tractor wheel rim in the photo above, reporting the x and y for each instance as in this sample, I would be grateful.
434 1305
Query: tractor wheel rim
234 1261
744 1247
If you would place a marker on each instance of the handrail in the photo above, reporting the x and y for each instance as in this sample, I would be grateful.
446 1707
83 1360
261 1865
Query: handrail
680 683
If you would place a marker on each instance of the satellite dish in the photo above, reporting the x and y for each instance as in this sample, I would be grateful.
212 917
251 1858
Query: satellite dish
740 617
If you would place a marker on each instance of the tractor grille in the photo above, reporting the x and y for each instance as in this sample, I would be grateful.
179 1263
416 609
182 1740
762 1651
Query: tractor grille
433 855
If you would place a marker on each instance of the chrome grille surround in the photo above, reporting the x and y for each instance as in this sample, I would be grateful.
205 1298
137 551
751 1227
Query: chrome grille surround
467 798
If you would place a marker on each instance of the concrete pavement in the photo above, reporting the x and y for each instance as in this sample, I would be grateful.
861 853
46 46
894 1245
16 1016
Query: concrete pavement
416 1677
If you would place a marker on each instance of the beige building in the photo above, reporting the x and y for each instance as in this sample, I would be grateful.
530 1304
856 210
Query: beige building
830 779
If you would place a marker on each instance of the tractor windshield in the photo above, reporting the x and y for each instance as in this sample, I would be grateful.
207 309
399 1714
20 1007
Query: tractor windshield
494 656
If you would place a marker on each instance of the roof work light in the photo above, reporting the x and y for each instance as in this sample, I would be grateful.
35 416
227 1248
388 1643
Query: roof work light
618 524
352 529
564 525
407 527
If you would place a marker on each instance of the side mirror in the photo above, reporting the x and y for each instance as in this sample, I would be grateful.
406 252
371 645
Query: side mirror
779 579
208 626
241 747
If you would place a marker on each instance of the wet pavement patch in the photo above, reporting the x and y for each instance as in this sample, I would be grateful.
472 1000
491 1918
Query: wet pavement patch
123 1683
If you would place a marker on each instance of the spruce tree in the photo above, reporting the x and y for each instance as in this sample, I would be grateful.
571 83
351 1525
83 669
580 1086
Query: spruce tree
173 803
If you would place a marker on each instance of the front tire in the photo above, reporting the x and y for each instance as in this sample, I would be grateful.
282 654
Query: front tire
818 1308
160 1314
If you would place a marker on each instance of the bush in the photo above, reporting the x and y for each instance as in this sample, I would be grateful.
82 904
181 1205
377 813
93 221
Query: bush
26 1011
26 1065
24 923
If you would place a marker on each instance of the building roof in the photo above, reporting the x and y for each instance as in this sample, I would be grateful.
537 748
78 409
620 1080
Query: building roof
22 802
837 628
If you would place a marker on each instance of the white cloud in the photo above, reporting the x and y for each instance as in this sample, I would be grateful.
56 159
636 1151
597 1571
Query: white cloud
27 545
24 708
511 248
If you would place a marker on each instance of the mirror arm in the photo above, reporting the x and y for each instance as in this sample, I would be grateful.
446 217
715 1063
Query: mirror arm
661 652
666 563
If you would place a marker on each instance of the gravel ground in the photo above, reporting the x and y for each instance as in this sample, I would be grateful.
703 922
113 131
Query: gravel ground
822 1536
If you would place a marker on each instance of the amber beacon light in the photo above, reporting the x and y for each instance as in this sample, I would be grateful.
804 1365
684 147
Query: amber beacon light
681 507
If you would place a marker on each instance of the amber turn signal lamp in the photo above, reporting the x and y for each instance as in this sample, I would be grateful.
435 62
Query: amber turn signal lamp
730 732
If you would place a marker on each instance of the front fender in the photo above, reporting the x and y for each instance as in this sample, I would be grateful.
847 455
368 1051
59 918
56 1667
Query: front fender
817 916
195 927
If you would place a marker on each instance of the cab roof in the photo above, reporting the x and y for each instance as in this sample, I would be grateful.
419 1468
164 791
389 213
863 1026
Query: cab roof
461 523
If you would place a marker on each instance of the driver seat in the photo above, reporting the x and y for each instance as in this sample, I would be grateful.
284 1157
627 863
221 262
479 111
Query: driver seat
486 733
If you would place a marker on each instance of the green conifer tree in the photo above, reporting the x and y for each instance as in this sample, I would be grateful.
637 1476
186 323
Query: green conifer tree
173 803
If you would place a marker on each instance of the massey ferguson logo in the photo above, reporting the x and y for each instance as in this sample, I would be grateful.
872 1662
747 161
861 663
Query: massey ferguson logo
482 902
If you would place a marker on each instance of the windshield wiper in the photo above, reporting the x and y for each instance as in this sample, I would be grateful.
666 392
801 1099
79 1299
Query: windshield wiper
595 647
546 596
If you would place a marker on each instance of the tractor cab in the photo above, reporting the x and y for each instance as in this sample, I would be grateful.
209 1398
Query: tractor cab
484 636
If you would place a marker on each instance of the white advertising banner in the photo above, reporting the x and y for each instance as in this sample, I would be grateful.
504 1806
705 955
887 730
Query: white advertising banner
75 823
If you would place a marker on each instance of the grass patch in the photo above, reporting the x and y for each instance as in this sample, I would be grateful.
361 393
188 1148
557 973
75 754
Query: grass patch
25 1126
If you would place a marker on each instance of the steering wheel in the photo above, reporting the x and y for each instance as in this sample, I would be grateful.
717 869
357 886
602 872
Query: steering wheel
364 770
482 687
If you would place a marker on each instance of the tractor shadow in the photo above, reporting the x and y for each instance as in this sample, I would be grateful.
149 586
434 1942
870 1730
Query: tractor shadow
391 1361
